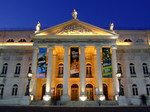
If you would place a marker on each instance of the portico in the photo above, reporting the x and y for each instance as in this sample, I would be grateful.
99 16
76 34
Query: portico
88 42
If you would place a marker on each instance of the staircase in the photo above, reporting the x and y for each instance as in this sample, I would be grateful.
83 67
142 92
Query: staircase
82 104
108 103
76 103
39 102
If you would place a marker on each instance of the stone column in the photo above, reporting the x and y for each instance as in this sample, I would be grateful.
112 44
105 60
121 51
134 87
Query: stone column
114 65
49 74
99 73
34 68
65 96
82 74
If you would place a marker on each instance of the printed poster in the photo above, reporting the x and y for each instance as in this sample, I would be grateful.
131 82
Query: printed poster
74 62
41 63
107 64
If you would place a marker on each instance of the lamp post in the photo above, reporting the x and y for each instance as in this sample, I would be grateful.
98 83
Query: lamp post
119 79
29 75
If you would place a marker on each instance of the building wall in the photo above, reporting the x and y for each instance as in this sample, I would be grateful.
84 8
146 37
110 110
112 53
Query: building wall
138 52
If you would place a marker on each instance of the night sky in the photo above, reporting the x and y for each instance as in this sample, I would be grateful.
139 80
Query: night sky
20 14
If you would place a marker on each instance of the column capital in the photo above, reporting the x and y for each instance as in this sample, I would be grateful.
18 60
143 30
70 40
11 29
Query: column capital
82 46
66 46
36 48
50 47
114 47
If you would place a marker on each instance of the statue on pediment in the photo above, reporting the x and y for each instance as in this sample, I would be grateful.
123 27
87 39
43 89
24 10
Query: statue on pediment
111 27
74 14
38 27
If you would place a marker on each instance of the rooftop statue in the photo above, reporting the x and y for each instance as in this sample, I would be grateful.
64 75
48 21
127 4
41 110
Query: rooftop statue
74 14
111 28
38 27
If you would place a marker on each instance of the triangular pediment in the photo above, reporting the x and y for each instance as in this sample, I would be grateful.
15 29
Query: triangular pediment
74 27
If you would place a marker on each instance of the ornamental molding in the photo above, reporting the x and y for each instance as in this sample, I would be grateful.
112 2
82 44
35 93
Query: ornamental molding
18 58
131 58
75 29
144 58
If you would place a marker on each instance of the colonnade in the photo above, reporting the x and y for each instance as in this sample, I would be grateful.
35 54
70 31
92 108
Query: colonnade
82 75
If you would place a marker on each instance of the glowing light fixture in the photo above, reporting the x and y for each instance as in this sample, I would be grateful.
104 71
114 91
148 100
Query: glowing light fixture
46 97
31 97
83 97
102 98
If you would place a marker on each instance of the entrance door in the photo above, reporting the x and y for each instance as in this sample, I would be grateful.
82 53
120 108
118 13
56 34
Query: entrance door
89 92
43 91
74 92
105 91
59 91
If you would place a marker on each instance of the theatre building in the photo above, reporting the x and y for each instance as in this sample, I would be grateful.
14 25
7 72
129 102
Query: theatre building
74 61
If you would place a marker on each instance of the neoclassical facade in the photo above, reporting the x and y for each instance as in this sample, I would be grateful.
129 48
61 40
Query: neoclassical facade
74 61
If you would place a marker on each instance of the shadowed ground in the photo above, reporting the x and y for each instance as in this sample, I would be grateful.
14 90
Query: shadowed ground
73 109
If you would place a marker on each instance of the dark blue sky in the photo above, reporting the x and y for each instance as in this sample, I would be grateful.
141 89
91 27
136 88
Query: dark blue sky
26 13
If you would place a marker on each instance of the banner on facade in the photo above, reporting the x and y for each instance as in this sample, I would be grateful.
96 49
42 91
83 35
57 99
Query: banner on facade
107 64
41 63
74 62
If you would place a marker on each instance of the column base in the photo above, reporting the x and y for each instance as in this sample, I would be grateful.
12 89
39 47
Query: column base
116 97
46 97
64 99
83 97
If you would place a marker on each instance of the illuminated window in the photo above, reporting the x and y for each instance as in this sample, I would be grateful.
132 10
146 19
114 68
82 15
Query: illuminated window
17 70
60 70
88 70
10 40
5 67
132 70
1 90
135 90
22 40
127 40
14 90
148 89
145 70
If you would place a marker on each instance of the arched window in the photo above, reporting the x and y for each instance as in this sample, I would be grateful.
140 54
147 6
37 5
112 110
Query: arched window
29 70
5 67
132 70
10 40
145 69
22 40
1 90
17 70
148 89
119 68
135 90
31 41
88 70
14 90
60 70
127 40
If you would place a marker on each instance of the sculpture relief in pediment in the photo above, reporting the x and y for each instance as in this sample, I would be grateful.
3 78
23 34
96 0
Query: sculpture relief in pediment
75 30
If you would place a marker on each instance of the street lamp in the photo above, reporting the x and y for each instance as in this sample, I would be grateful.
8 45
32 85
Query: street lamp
119 79
29 75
